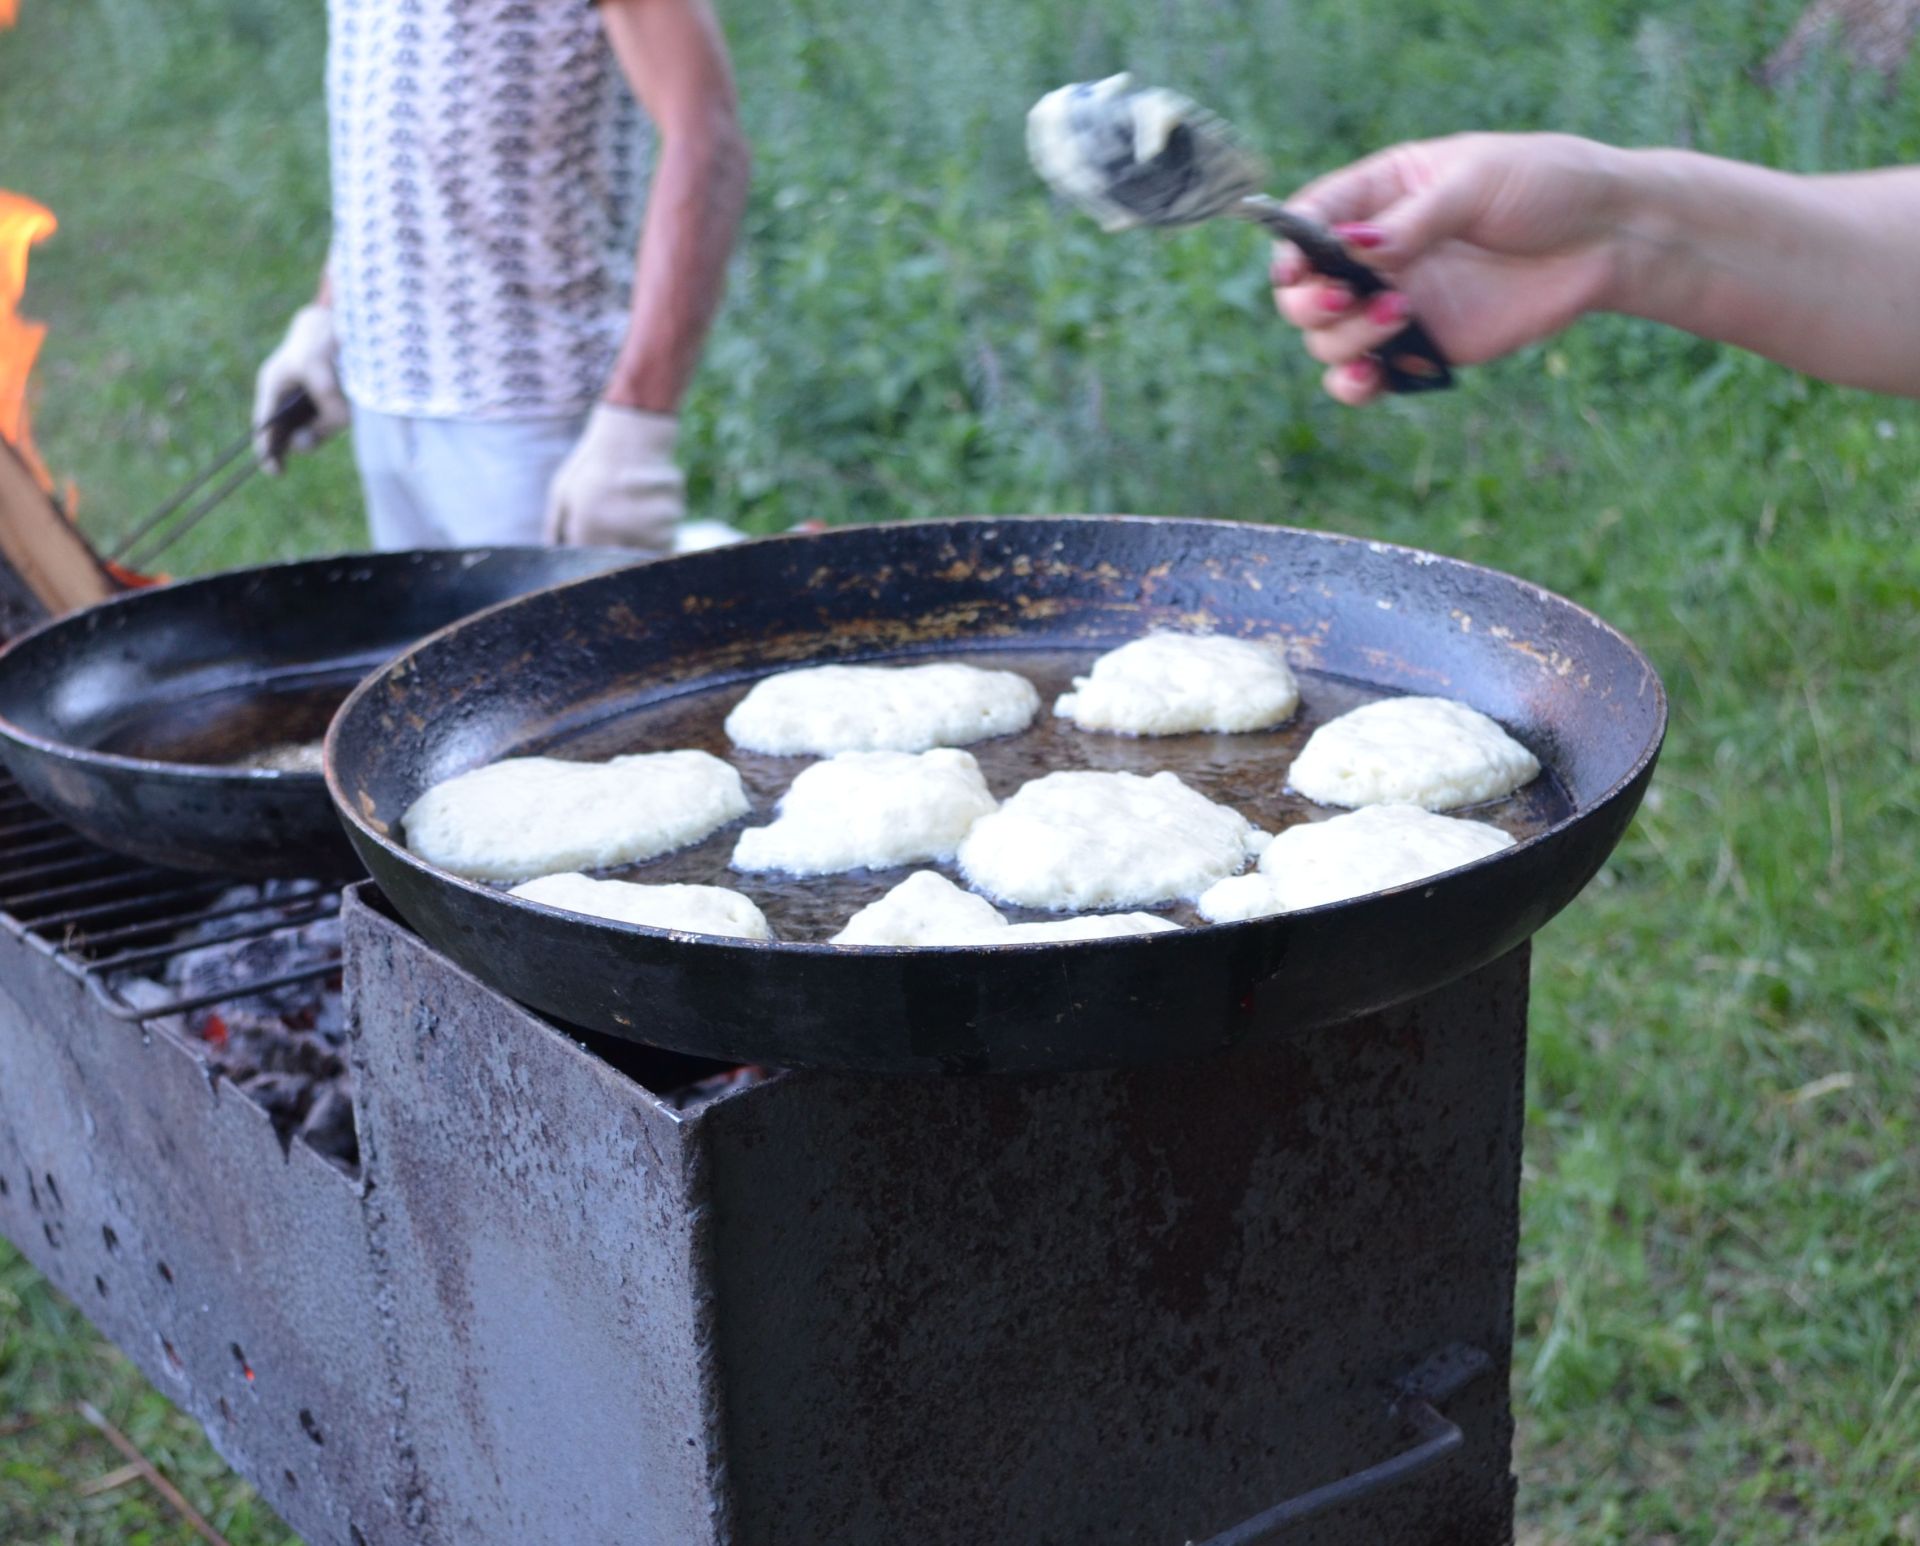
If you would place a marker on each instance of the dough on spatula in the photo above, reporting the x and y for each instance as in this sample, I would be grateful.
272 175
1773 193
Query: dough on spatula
870 810
527 816
822 710
1077 840
928 909
1176 683
1364 851
1430 752
687 909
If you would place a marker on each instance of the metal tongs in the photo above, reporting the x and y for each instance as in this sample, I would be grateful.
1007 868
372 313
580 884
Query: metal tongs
1132 156
294 413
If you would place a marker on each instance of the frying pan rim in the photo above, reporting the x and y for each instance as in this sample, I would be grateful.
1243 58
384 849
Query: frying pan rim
159 770
361 830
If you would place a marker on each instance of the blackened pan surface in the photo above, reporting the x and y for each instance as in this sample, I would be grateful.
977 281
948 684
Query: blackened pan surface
651 659
132 720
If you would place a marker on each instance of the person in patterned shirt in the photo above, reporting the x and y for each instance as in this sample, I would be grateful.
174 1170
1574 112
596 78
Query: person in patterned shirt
512 307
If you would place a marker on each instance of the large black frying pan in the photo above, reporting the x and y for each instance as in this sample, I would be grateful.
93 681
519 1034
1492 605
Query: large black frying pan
650 658
127 719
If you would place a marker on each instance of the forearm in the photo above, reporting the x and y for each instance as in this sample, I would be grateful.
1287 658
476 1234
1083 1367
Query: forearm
1819 273
675 59
693 214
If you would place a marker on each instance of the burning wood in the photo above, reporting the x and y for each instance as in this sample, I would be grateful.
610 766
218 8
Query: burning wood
41 552
22 224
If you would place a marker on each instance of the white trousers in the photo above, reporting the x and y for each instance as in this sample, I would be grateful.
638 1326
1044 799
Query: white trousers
458 483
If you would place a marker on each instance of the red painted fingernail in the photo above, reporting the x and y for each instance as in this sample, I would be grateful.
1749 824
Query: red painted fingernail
1387 307
1359 372
1357 233
1334 299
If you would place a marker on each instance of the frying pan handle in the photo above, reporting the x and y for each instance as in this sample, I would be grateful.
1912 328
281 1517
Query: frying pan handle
1414 1406
1410 360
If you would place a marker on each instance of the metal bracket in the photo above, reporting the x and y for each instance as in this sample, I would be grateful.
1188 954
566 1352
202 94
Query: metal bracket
1436 1436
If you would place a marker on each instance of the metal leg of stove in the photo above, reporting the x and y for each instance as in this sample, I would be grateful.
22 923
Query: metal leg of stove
1437 1437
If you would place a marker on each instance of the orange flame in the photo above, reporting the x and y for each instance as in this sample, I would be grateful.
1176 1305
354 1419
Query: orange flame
22 223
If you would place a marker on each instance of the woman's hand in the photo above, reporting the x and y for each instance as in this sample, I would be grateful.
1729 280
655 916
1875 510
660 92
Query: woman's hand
1492 240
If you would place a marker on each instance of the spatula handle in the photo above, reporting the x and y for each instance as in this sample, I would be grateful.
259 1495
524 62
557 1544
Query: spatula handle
1410 360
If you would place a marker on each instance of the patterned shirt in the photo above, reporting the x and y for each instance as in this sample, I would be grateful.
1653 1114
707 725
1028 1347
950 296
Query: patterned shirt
489 173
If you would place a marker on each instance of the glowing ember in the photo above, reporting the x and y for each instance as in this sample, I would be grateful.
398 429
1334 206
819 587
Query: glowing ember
22 223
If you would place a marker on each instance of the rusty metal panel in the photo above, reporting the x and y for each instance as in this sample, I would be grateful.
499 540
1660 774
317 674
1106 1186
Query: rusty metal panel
1128 1307
236 1274
539 1222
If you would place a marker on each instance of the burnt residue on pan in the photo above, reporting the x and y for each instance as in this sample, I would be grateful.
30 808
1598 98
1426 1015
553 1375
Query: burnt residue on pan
1246 772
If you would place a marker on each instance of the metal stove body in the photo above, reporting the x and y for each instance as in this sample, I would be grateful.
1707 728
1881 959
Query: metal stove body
558 1302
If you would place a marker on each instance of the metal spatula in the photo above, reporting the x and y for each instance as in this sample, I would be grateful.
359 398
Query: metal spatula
1132 156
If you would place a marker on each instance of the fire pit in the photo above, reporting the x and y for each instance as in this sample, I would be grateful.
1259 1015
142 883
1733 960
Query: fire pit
567 1296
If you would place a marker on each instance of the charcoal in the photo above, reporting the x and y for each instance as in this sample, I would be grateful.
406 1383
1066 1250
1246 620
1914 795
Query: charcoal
283 1048
271 1047
285 1096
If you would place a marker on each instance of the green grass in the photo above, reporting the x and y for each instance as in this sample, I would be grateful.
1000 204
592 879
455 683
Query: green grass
1718 1310
50 1360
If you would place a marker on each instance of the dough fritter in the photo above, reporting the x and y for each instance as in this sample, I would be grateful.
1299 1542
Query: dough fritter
1347 856
685 909
1078 840
1430 752
928 909
1175 683
528 816
870 810
823 710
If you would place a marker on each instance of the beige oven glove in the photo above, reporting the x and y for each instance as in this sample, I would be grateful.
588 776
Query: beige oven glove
307 357
619 486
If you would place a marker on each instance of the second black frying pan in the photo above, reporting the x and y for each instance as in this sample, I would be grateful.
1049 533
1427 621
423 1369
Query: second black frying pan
651 658
173 724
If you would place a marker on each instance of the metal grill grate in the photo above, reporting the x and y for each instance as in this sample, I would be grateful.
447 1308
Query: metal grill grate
101 916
